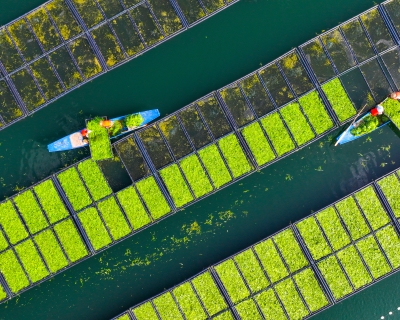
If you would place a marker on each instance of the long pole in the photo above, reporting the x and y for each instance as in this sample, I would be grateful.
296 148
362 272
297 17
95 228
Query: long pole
341 137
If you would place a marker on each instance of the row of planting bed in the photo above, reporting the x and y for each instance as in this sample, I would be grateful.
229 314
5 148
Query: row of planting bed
38 237
48 52
305 268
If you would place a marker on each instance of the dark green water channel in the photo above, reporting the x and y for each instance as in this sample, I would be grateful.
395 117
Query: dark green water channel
205 58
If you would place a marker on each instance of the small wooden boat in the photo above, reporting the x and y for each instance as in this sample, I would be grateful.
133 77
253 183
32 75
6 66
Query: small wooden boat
75 140
348 136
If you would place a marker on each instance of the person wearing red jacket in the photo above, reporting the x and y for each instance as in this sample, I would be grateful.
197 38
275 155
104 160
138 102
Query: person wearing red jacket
84 134
377 111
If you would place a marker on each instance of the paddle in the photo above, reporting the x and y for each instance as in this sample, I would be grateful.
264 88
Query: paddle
341 137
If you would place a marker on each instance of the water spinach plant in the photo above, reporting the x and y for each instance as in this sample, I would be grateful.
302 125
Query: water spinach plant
291 299
248 310
390 187
94 228
234 155
145 311
188 302
74 189
166 307
270 306
392 110
133 208
258 143
94 179
176 185
215 166
196 176
152 196
13 272
11 223
390 243
339 99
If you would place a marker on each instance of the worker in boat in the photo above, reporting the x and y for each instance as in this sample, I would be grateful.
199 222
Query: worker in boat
84 134
395 95
377 111
106 123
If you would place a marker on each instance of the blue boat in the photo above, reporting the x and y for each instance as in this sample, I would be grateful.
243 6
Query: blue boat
75 140
347 136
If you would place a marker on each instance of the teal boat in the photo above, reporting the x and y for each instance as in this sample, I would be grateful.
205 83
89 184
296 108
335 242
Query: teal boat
348 136
75 140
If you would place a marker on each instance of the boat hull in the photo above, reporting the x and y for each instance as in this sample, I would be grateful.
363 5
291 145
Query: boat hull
75 140
346 136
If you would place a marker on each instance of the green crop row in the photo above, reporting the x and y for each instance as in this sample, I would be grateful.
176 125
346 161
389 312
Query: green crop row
196 176
13 272
31 260
232 281
176 185
247 310
94 179
187 298
390 187
317 115
339 99
94 228
74 189
70 239
152 196
226 315
392 110
133 207
258 143
291 299
114 218
215 166
234 155
270 306
31 212
11 223
278 134
390 242
297 123
50 201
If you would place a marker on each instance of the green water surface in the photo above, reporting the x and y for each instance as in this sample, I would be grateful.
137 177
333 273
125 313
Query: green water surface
207 57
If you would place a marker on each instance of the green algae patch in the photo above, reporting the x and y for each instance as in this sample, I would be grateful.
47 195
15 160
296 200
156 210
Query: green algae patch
89 12
63 18
215 166
339 99
153 198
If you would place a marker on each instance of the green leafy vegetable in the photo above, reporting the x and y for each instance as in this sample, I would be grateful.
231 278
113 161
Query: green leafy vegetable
99 140
133 207
368 124
153 197
114 218
31 260
247 310
196 176
50 201
314 109
258 143
234 155
188 302
133 121
291 300
94 228
11 223
13 272
392 110
215 166
339 100
167 307
94 179
176 185
270 305
297 123
390 186
278 134
390 243
232 281
145 312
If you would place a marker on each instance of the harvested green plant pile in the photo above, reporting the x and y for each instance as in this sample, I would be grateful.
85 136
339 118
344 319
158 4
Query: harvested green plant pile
176 185
196 176
134 120
339 100
234 155
94 228
94 179
278 134
314 109
99 140
297 123
258 143
367 125
392 110
153 197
